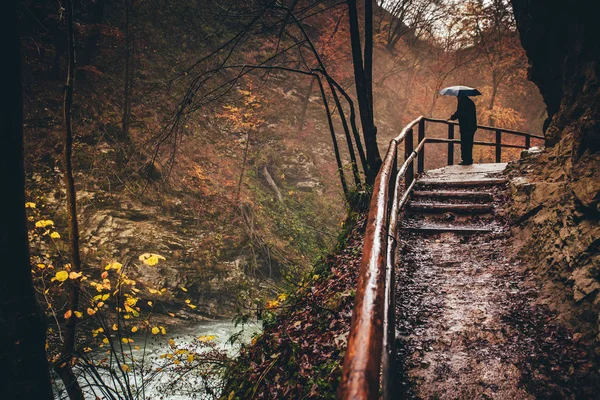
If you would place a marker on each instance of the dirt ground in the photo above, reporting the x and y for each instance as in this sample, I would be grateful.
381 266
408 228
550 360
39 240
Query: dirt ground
468 326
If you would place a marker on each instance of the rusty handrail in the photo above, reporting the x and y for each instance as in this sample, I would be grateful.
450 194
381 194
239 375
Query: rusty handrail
370 348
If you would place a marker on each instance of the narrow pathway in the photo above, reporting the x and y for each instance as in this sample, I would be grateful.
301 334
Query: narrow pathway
465 327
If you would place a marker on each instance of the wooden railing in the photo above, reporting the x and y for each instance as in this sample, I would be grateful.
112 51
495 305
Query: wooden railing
369 363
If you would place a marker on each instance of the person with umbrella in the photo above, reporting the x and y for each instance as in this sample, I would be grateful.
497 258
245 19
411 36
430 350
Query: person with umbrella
466 114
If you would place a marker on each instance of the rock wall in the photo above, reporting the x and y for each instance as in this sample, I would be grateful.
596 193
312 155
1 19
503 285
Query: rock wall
561 42
557 195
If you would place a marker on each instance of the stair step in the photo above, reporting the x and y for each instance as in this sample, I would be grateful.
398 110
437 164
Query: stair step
454 194
446 207
444 228
460 182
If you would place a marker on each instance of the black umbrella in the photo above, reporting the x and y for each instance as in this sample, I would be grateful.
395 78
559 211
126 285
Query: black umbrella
460 91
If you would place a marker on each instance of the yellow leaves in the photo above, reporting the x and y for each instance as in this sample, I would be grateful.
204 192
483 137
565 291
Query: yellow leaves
69 313
192 306
150 258
60 276
104 275
131 301
100 304
137 348
272 304
134 329
91 311
176 362
182 288
115 327
55 235
125 367
150 303
206 338
44 223
188 301
115 265
282 297
315 277
87 349
163 330
75 275
95 332
105 296
105 341
29 204
41 266
155 330
190 357
171 343
126 340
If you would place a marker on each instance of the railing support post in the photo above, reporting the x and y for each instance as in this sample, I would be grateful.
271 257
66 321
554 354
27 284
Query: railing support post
498 146
421 136
528 141
451 144
408 149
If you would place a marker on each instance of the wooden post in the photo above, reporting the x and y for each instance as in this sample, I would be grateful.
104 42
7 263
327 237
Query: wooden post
528 141
421 136
408 149
451 144
498 146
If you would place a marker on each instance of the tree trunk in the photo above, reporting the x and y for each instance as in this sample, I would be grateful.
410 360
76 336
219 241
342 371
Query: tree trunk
272 184
63 367
333 138
492 103
368 58
91 42
22 329
305 102
348 137
129 67
362 92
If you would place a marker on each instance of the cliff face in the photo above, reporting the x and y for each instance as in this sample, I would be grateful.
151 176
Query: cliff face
557 199
561 41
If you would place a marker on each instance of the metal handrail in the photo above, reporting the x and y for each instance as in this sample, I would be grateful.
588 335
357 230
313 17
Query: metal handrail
370 351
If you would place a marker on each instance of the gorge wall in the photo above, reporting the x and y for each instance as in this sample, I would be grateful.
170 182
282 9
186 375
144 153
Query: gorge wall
557 203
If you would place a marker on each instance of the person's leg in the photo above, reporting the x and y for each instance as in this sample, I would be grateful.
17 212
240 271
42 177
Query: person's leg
466 147
467 155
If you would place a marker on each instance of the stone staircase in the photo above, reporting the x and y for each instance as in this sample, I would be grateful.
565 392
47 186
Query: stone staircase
457 199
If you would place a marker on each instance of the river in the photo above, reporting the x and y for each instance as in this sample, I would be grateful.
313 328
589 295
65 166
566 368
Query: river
173 382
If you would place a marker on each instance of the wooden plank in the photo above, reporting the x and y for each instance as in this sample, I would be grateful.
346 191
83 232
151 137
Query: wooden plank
462 182
446 207
453 194
433 229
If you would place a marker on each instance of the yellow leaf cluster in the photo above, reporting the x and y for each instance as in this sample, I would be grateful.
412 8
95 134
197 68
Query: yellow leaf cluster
115 265
60 276
29 204
206 338
55 235
272 304
159 329
44 223
75 275
150 258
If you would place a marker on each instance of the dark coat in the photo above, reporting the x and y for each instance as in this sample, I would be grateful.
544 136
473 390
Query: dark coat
466 115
